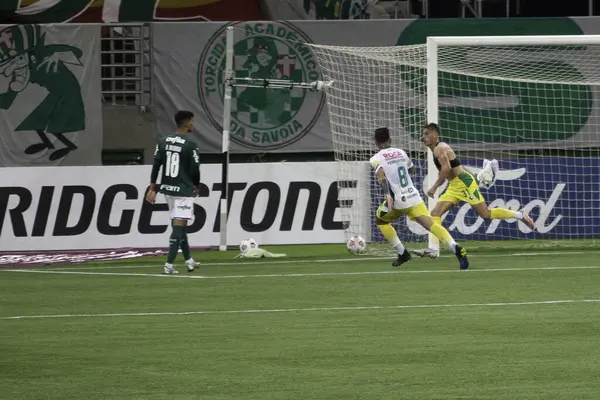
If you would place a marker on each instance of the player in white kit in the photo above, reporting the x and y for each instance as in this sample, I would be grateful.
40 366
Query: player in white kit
392 167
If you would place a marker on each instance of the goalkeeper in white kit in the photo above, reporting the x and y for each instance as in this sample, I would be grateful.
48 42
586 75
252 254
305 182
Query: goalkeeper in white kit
392 166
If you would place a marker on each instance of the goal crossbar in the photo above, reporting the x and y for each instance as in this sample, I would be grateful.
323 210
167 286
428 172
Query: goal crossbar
513 40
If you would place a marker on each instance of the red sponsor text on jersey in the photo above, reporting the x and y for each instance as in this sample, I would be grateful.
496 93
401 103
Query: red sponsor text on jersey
394 154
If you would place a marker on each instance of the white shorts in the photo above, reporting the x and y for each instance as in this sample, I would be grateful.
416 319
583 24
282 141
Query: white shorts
180 207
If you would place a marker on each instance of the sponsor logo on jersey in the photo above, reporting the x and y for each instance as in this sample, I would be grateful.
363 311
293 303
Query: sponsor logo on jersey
262 118
175 139
394 154
170 188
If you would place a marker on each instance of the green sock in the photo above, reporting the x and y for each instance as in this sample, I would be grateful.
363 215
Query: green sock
174 242
185 247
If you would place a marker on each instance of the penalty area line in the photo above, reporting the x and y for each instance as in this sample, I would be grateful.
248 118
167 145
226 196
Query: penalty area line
312 309
299 275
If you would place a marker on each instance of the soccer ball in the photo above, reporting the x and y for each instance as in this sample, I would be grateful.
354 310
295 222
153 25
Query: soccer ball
247 244
356 245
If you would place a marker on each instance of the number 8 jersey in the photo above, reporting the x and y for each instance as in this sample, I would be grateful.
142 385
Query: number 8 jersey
180 162
396 164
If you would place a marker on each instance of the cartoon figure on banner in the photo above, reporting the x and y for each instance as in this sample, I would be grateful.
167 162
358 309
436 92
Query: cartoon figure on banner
264 61
25 58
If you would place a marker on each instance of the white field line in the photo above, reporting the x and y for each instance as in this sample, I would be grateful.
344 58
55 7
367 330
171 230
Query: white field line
284 310
286 262
292 275
160 263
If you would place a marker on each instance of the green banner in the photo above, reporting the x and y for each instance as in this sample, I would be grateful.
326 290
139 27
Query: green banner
327 9
472 108
517 111
50 105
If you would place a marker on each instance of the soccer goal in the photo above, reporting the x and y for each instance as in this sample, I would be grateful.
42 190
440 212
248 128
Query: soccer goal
531 102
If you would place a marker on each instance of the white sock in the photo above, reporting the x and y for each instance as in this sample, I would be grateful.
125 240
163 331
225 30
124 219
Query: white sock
452 246
398 246
170 266
518 215
190 261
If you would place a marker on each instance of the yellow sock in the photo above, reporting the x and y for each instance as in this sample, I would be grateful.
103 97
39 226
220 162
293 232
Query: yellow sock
437 220
389 233
441 233
502 213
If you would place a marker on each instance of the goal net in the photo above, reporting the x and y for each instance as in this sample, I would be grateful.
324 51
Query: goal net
529 102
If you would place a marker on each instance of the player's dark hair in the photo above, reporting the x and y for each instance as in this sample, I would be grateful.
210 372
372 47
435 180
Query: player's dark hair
182 116
382 135
432 126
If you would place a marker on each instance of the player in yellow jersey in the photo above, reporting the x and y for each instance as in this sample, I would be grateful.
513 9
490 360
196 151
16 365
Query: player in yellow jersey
462 187
392 166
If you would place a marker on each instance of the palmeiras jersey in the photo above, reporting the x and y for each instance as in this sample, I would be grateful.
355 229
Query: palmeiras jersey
179 157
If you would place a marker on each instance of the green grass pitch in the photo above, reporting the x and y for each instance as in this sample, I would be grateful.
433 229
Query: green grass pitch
320 324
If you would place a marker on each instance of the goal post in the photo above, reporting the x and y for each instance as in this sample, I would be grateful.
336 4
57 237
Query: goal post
433 117
231 81
531 102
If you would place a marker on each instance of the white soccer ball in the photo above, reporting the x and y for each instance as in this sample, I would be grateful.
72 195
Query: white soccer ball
244 246
248 244
356 245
